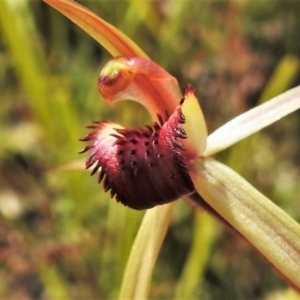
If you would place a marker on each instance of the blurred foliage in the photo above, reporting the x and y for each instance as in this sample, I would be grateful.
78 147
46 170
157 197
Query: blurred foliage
61 236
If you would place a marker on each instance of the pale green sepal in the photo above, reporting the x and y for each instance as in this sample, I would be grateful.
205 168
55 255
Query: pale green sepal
253 121
112 39
138 273
267 227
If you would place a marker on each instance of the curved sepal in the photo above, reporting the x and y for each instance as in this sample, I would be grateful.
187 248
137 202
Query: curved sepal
268 228
146 82
112 39
253 120
141 80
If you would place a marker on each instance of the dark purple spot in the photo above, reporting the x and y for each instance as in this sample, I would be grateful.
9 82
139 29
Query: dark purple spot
134 141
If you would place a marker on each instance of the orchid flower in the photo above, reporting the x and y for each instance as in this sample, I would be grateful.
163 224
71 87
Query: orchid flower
171 158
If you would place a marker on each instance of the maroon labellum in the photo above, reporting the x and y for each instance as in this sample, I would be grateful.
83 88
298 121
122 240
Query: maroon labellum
141 167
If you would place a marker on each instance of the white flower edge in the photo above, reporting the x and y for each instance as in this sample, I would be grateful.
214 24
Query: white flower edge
267 227
253 121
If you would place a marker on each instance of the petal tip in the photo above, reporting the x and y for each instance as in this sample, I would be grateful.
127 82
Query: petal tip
114 77
188 89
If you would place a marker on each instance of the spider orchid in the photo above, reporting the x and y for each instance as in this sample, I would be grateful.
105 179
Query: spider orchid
145 161
157 164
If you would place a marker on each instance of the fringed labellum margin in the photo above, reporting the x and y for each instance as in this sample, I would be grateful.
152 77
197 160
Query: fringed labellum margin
141 167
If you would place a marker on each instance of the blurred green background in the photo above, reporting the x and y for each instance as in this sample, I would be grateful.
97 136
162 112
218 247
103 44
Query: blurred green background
61 236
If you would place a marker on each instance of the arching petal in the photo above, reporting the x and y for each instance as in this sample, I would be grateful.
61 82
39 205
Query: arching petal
146 82
141 80
134 77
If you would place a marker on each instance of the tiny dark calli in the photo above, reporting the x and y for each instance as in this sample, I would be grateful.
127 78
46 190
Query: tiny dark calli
141 167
